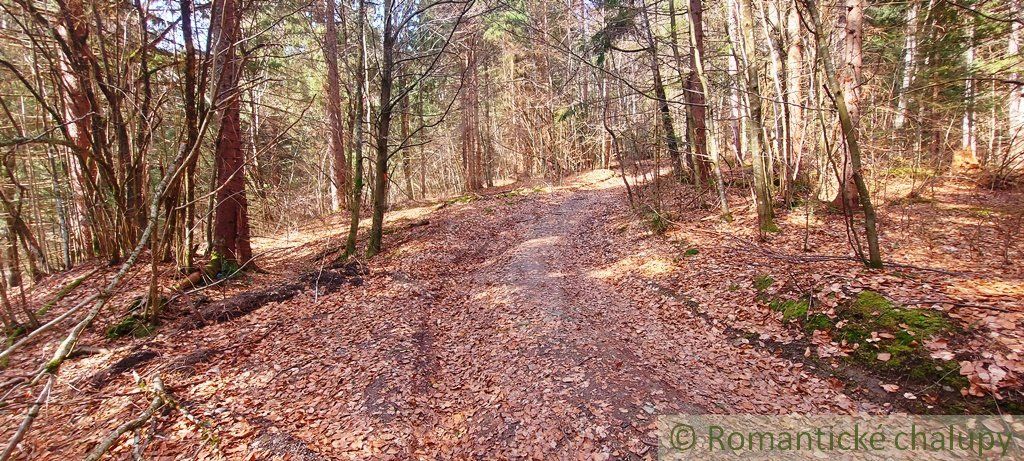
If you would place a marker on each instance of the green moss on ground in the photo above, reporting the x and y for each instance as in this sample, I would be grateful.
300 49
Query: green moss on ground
130 326
762 282
871 325
656 222
792 309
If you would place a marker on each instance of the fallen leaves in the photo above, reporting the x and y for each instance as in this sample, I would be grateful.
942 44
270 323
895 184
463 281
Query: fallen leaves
891 388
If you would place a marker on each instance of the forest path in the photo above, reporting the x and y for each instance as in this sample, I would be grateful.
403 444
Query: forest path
533 324
529 346
560 339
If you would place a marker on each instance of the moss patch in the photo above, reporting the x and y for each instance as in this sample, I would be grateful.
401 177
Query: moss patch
871 325
792 310
130 326
463 199
762 282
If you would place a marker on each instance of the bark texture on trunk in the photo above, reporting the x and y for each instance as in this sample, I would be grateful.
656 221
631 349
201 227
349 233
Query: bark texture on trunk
696 96
850 136
231 221
849 80
335 123
762 188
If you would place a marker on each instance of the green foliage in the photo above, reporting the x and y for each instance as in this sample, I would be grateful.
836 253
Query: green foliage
578 110
691 252
619 20
499 23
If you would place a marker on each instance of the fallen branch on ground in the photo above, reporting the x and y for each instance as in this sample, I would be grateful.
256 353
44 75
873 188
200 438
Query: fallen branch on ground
825 258
26 424
66 291
158 402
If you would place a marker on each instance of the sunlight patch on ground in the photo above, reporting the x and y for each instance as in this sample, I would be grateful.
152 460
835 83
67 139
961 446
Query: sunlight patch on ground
634 264
989 287
657 267
801 218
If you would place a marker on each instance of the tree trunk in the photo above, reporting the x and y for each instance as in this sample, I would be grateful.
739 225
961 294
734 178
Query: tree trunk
907 71
1015 101
850 78
762 191
671 140
713 162
79 114
794 88
696 97
966 159
336 137
406 164
850 135
362 119
380 178
231 223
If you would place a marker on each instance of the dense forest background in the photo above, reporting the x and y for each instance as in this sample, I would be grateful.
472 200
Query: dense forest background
284 111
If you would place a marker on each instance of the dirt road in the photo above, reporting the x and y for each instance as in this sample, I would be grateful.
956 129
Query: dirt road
510 327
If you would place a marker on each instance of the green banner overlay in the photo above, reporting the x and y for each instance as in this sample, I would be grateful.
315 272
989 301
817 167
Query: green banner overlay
820 437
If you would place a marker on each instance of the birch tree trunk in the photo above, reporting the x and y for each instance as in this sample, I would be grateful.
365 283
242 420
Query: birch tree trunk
795 90
909 51
1015 102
